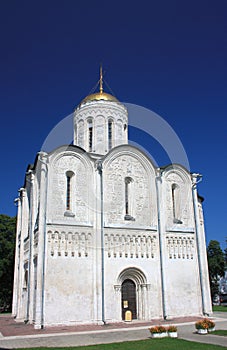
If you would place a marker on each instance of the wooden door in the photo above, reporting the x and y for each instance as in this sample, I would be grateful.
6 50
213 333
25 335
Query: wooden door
128 298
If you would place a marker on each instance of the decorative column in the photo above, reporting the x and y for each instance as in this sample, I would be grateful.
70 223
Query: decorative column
17 261
201 251
117 296
144 298
100 249
161 241
97 276
40 291
22 235
29 316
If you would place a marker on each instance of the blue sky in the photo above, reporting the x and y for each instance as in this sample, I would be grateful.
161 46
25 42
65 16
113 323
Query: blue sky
168 56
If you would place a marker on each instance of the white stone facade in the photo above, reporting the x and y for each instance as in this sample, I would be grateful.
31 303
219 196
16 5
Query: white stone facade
101 231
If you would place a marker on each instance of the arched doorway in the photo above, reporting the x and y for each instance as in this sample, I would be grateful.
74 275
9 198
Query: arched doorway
128 298
132 294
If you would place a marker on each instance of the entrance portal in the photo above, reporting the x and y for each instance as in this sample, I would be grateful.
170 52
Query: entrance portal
128 298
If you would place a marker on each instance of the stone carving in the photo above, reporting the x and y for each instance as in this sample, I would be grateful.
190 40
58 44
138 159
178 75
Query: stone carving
80 131
130 246
79 188
71 244
180 247
142 206
100 113
182 213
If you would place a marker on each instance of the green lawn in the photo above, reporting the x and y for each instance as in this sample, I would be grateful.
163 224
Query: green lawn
219 308
220 332
154 344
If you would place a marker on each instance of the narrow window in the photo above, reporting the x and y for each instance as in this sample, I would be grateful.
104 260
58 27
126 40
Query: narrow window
25 286
68 193
110 132
175 202
90 135
69 175
128 181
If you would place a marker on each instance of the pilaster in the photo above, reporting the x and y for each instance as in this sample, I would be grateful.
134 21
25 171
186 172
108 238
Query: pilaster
161 235
30 179
17 261
201 251
23 233
41 262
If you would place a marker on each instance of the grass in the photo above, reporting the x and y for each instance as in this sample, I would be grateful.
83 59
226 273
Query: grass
220 332
219 308
154 344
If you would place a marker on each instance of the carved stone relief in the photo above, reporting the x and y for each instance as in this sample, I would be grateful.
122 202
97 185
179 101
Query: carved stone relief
180 247
131 246
70 244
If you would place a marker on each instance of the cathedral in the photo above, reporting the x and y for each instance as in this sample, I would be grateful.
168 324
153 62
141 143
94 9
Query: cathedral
104 235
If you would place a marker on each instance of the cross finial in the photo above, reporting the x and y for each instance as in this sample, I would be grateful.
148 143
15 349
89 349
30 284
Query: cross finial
101 80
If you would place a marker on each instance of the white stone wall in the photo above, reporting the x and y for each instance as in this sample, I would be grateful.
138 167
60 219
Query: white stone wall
165 259
127 251
99 113
69 282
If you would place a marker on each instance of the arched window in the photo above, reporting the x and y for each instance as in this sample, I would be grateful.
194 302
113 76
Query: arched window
90 135
25 286
110 133
128 198
69 175
176 203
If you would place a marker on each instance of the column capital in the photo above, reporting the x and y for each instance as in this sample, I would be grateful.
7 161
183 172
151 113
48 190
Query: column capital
30 174
42 156
22 191
117 287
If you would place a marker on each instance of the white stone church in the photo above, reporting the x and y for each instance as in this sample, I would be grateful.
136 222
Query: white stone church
102 231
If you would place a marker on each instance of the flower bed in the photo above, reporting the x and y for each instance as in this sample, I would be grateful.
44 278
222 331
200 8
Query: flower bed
172 331
205 325
158 332
161 331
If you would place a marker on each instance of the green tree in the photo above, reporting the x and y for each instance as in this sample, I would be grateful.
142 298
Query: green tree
216 264
225 252
7 247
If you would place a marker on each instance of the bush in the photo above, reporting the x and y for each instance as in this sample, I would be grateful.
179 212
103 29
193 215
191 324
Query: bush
201 325
157 329
172 329
204 324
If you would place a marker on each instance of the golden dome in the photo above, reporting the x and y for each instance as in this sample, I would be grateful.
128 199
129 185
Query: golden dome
97 96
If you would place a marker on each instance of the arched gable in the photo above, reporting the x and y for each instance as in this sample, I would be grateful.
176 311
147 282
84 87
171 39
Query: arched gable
70 185
129 188
177 197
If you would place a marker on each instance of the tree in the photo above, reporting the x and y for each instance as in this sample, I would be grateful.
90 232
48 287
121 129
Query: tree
225 252
216 264
7 247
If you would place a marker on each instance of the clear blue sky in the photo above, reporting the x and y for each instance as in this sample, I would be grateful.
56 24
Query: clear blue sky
168 56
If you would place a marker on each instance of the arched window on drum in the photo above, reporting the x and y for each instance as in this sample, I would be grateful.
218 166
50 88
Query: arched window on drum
90 134
110 134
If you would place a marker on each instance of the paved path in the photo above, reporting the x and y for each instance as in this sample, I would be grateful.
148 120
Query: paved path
186 330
